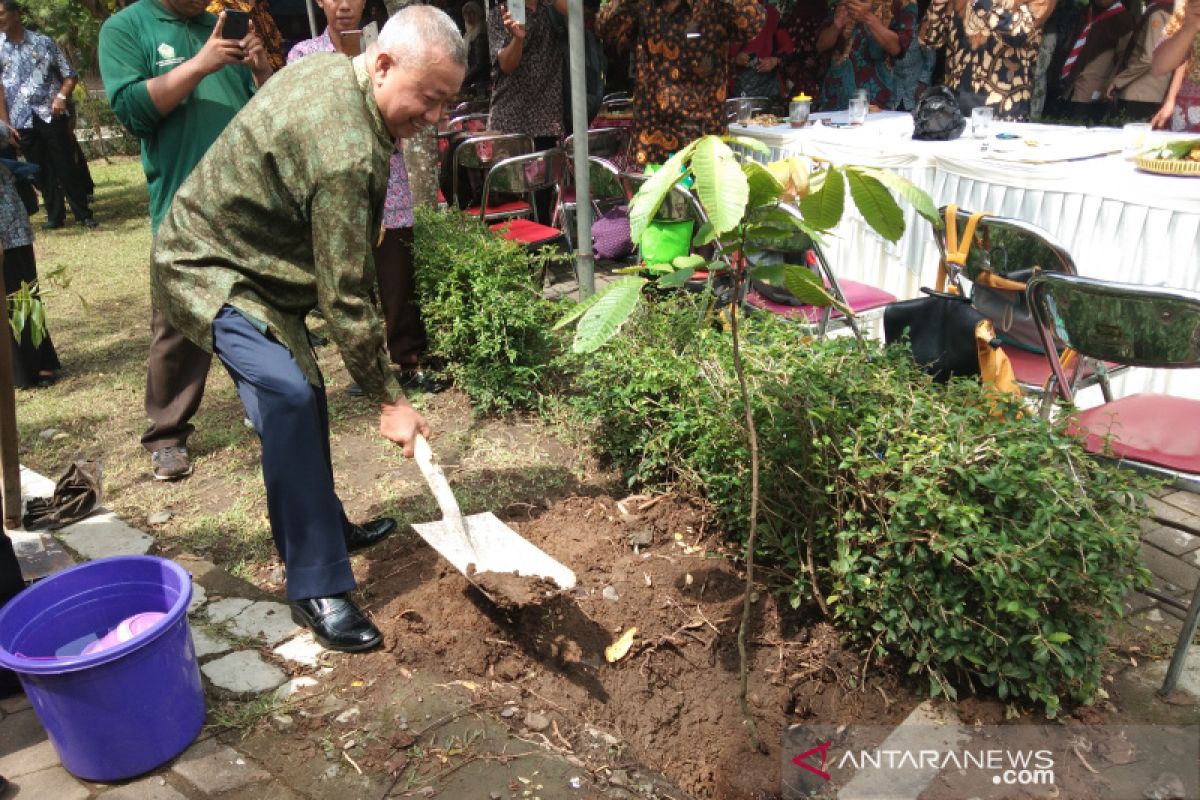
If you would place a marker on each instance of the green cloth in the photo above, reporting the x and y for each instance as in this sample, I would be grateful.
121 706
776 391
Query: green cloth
281 216
146 40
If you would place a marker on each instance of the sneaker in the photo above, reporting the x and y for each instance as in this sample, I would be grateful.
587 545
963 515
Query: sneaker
90 222
171 463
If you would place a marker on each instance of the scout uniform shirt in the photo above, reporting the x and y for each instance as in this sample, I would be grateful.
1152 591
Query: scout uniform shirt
142 42
281 215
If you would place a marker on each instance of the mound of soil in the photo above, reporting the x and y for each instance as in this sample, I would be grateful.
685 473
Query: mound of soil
672 699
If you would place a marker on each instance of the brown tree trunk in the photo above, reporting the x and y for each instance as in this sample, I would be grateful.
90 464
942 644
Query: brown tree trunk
421 159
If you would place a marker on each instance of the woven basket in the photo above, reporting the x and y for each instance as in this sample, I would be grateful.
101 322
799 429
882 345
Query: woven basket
1169 166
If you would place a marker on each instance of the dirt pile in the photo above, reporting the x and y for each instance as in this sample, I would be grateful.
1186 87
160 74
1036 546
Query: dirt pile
672 699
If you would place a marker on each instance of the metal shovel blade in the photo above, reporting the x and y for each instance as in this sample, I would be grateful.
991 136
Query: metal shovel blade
498 549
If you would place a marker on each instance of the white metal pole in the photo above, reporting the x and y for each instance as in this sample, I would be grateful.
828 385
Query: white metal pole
312 17
585 263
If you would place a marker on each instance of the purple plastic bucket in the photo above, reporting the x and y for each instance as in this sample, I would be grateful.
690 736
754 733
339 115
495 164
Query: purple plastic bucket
124 710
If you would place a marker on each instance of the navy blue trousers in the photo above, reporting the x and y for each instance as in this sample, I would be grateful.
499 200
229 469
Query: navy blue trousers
292 419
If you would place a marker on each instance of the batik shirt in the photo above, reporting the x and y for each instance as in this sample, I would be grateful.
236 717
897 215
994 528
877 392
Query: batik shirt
398 210
32 72
264 26
991 48
681 65
15 230
280 217
859 62
529 99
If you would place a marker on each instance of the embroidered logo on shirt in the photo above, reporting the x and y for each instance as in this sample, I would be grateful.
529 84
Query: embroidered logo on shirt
166 51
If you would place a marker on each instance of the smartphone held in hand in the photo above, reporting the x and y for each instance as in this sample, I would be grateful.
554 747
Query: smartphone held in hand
237 25
516 10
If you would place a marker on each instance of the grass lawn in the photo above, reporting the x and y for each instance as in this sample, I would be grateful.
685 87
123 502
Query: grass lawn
100 326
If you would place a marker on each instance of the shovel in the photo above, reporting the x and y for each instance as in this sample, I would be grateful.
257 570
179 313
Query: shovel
480 543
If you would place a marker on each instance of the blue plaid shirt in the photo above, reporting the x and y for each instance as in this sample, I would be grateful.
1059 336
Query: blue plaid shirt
32 72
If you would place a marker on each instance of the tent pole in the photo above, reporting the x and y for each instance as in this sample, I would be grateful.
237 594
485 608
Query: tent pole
585 264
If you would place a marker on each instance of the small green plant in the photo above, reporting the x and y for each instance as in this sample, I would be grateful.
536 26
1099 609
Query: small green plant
480 296
747 212
976 549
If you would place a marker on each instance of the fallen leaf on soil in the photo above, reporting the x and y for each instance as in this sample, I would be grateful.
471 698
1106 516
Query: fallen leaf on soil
617 650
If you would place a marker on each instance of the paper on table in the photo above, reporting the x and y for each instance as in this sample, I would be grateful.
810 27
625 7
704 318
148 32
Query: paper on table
1055 147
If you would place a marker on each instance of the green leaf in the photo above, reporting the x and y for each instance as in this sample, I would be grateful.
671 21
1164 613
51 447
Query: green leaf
704 235
673 280
1060 637
823 209
650 196
876 205
764 188
691 260
808 287
607 314
914 194
579 309
720 183
753 145
771 273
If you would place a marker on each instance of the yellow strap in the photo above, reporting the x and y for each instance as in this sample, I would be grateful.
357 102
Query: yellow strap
956 247
994 281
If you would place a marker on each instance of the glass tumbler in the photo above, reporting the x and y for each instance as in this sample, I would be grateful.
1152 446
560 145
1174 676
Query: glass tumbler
857 111
798 113
981 121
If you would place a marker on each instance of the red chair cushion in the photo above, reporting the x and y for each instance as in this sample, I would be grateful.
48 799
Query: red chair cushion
512 206
526 231
859 296
1151 428
1032 369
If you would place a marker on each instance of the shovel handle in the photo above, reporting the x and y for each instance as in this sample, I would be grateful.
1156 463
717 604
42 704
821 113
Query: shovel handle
451 514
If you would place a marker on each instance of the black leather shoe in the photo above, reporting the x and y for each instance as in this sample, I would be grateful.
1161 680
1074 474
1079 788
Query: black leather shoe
421 380
369 533
337 623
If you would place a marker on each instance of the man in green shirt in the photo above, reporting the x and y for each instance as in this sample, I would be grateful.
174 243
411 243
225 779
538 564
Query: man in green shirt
175 82
278 218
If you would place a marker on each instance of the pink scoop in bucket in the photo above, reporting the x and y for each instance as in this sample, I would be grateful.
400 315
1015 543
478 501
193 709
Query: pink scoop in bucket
126 629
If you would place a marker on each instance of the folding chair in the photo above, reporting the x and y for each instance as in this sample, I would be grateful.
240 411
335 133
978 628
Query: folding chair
1143 326
860 298
468 122
1001 254
524 175
607 192
471 107
616 105
475 156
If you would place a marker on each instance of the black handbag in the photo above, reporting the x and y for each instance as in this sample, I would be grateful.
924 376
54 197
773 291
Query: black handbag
941 333
937 117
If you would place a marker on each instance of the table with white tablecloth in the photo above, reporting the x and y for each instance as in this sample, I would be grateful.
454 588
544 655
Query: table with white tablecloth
1080 185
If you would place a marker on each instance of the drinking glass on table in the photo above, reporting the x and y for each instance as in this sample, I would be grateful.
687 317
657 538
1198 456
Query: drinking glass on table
981 121
745 110
1136 134
857 111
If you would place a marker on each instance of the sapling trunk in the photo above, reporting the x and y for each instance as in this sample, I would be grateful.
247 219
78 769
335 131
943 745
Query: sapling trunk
752 433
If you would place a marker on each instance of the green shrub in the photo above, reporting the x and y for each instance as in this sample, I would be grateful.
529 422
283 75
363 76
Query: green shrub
975 544
481 301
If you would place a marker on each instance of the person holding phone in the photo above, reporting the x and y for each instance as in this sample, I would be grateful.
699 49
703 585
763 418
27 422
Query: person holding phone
37 81
175 81
264 26
527 89
406 336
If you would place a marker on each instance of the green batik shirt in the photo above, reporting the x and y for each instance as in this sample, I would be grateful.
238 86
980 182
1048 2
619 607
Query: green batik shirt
281 216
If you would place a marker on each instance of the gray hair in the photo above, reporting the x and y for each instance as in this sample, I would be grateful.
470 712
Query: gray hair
416 33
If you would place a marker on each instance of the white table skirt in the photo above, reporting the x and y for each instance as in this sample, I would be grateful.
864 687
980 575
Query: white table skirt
1117 222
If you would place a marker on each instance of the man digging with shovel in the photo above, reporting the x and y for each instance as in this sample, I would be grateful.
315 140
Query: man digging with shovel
278 218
